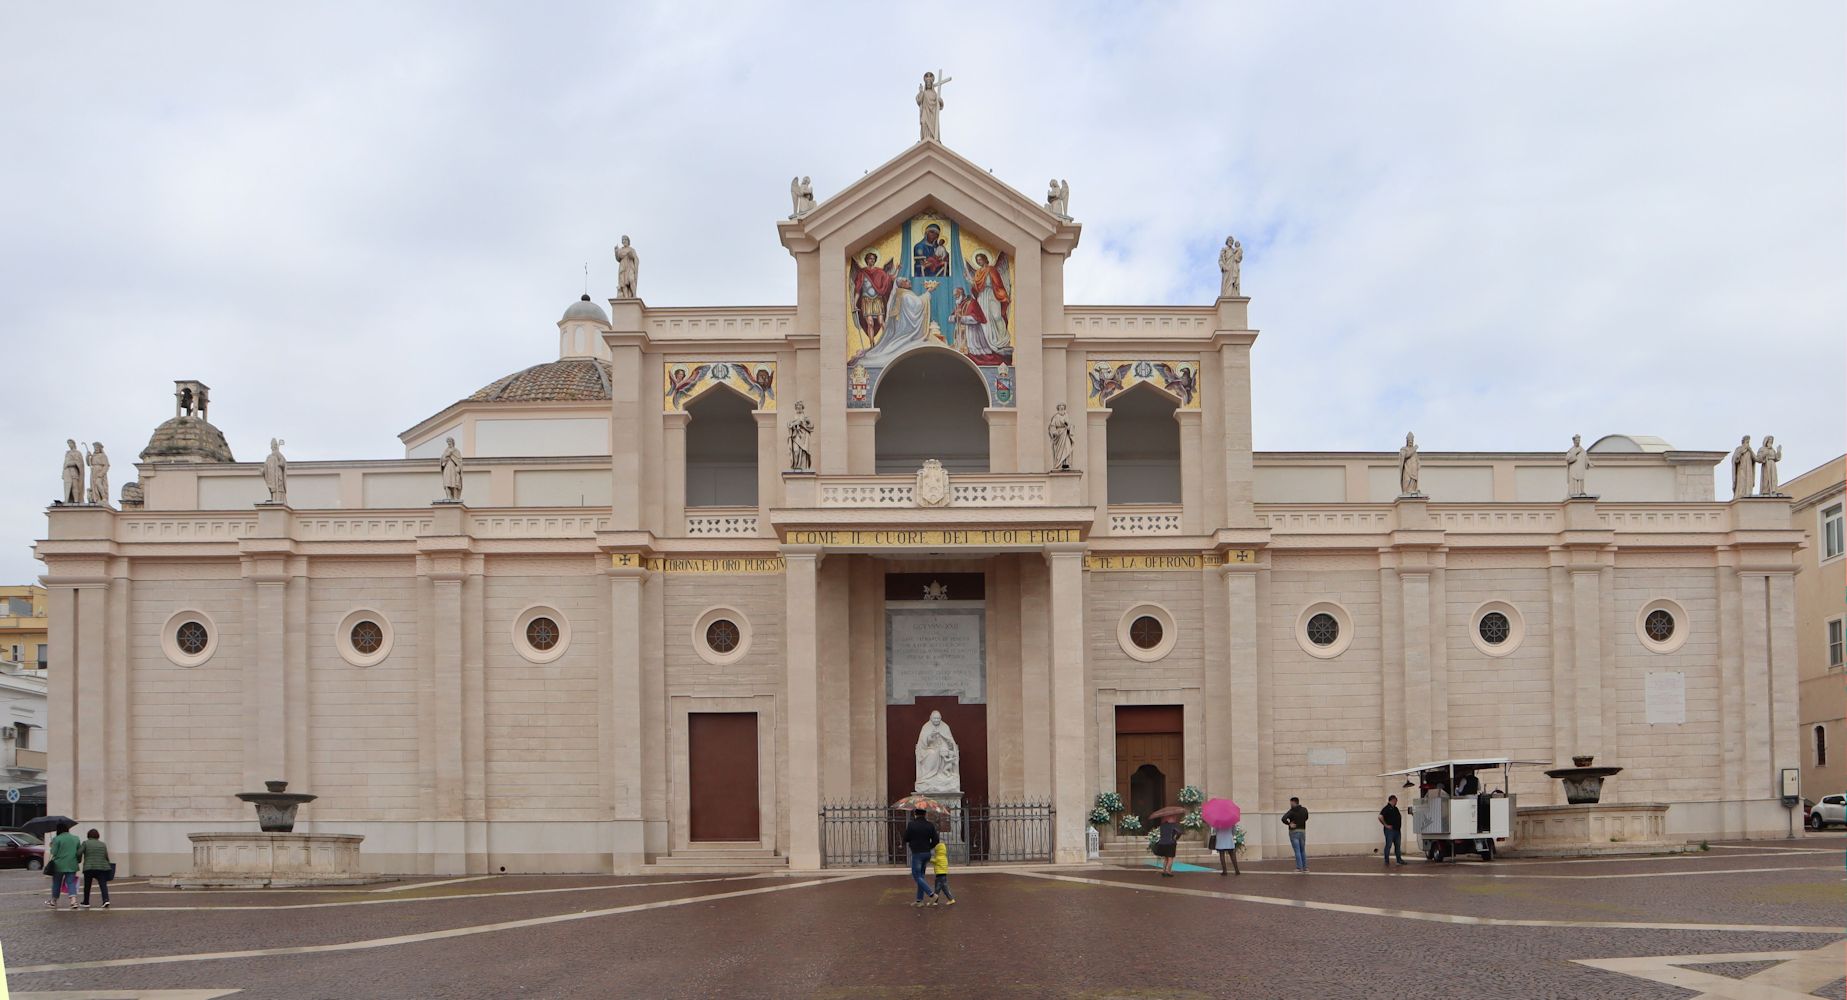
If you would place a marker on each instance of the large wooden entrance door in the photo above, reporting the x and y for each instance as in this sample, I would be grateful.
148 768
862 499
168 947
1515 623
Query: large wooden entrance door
722 775
1150 757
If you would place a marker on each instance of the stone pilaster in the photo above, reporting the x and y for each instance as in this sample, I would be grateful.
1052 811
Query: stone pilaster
1192 464
1245 736
1070 794
801 625
673 472
623 715
1096 471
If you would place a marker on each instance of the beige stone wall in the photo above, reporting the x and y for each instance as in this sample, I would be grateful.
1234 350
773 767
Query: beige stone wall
187 727
542 755
1502 706
1668 763
363 720
1333 704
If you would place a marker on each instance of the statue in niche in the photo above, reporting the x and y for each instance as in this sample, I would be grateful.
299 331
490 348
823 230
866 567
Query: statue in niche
73 472
628 270
1231 264
1767 457
1409 466
1064 439
1577 467
99 474
801 193
801 432
930 108
939 766
276 473
452 472
1744 468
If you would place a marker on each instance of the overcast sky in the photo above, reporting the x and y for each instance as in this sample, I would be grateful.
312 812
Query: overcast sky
1496 224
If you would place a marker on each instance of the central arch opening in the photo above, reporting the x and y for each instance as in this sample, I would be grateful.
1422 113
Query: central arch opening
930 406
721 451
1144 447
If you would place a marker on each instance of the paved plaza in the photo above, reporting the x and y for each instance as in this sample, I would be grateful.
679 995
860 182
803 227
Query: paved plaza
1747 920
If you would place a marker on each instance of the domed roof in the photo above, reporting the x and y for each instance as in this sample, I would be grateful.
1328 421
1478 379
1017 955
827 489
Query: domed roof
187 439
585 309
571 380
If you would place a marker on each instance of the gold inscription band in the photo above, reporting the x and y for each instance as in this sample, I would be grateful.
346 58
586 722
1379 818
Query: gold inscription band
1146 561
908 538
724 565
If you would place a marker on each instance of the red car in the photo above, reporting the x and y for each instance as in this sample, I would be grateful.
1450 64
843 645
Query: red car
21 850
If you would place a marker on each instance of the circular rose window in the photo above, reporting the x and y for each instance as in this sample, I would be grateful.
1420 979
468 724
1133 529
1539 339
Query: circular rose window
542 634
192 638
367 637
1323 629
1146 632
722 636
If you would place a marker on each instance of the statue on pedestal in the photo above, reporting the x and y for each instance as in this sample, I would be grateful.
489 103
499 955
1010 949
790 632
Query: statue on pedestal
1231 263
930 108
1577 467
939 766
1409 465
276 473
1058 198
452 472
73 472
1767 457
801 430
1744 468
1064 439
99 474
628 270
801 193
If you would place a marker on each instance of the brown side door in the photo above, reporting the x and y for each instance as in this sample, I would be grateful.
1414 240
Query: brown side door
1149 736
722 775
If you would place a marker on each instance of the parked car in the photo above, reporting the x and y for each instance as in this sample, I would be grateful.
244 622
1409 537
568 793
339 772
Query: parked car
21 850
1832 809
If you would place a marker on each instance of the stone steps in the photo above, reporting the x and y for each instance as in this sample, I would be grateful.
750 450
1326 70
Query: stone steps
720 858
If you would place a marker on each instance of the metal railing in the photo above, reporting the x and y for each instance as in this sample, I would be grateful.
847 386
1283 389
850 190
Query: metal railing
857 834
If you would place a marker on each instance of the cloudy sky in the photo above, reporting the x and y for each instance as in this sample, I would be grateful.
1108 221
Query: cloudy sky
1494 223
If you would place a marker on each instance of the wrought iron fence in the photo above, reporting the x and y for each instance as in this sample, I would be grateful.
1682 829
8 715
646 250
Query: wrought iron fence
872 834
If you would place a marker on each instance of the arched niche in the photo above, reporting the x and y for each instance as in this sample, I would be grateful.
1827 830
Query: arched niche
721 450
1144 447
930 404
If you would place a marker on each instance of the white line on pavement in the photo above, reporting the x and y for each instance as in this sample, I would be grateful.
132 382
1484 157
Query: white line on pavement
426 885
420 899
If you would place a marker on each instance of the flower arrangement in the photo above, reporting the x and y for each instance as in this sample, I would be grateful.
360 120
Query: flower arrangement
1192 796
1129 823
1193 821
1099 816
1154 837
1109 802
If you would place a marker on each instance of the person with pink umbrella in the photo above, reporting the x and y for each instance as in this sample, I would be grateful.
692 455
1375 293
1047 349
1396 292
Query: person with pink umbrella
1222 816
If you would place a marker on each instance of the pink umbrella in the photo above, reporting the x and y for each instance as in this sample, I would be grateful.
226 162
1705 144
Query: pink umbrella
1220 814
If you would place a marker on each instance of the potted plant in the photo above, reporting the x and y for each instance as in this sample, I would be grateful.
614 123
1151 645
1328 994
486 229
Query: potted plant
1129 823
1108 804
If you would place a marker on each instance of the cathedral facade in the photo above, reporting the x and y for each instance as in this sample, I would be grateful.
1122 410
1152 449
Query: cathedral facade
672 596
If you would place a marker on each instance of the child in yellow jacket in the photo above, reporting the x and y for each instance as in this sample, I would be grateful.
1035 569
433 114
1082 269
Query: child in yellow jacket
939 860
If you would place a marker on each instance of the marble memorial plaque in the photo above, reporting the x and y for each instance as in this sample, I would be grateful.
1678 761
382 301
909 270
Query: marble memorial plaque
1666 696
938 651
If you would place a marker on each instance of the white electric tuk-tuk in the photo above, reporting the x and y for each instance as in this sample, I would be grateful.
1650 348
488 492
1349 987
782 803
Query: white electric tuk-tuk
1461 806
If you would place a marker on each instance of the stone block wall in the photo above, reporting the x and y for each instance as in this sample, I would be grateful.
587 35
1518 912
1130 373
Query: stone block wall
187 723
363 739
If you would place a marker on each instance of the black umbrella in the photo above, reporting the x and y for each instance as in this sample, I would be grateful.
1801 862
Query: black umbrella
45 824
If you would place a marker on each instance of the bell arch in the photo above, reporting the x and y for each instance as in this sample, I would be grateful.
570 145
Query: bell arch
1143 447
721 450
931 404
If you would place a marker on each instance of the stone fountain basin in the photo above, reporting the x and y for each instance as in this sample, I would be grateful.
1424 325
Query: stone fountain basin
273 860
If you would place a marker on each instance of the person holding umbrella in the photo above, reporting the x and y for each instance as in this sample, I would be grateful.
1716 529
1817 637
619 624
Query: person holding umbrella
921 839
61 864
1167 837
1222 816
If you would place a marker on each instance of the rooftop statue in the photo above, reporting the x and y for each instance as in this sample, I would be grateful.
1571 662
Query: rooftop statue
276 473
73 473
452 472
1231 263
628 270
1577 467
930 108
801 193
1744 468
1058 198
99 475
1409 466
1767 457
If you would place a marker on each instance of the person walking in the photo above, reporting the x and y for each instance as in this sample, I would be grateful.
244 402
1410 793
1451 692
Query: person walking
97 868
920 836
1296 821
1391 821
1166 845
61 864
1226 843
939 860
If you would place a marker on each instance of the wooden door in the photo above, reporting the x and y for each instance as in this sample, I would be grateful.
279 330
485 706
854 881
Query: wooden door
722 775
1150 757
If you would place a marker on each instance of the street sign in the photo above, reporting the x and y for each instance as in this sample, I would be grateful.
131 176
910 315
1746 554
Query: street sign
12 795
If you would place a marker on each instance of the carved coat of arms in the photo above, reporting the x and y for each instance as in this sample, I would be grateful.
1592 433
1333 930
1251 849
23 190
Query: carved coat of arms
932 488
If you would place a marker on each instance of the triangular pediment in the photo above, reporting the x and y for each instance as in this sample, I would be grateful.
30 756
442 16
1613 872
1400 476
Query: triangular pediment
929 174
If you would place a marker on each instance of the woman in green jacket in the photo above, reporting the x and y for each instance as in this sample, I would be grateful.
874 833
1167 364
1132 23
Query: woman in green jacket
97 867
61 865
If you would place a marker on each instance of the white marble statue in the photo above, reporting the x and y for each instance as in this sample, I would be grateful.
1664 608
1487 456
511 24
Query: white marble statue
1409 465
939 767
1767 457
930 108
1064 439
628 270
1058 198
801 432
452 472
99 474
276 473
801 194
1577 467
73 472
1231 264
1744 468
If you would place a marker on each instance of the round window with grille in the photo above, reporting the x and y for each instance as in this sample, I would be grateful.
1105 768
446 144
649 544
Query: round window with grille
1323 629
1659 625
542 634
367 637
192 638
722 636
1494 628
1146 632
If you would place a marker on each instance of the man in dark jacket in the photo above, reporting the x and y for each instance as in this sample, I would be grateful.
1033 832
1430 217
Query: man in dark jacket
920 836
1391 820
1296 820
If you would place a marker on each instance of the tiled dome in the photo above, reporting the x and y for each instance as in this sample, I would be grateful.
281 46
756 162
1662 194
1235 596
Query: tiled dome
187 439
572 380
